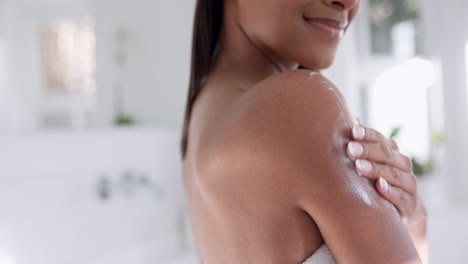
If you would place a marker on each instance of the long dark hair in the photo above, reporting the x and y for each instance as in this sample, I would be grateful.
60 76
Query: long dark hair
207 25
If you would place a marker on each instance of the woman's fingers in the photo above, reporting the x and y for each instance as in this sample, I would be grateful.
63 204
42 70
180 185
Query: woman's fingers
362 133
380 153
394 176
378 157
403 201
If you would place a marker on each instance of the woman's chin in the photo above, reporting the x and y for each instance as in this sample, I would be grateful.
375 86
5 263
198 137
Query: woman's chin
318 64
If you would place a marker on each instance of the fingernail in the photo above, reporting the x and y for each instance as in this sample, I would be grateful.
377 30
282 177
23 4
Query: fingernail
355 148
363 165
383 184
358 132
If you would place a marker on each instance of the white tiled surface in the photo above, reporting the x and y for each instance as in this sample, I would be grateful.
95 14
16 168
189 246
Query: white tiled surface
50 211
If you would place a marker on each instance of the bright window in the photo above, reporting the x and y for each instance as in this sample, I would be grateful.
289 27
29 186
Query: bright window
400 98
397 82
69 56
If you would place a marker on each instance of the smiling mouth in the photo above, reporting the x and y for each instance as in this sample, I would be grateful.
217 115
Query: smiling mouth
331 27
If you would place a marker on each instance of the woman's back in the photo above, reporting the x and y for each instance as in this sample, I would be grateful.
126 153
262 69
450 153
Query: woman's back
238 221
266 168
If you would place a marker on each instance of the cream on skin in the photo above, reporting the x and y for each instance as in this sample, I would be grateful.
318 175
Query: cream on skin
344 108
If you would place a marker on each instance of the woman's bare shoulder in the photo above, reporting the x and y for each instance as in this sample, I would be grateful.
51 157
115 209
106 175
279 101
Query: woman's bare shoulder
291 145
299 96
280 124
285 121
286 108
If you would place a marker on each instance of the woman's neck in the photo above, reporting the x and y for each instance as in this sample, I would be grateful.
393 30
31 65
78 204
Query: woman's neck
241 58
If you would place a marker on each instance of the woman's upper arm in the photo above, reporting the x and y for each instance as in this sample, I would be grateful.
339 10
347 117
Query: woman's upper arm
358 225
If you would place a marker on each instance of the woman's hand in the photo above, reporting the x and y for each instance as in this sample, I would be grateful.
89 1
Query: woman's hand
378 157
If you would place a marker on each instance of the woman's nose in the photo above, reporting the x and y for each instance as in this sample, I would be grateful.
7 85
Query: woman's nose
342 4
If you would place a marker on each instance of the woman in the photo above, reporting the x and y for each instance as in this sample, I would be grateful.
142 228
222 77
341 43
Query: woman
276 168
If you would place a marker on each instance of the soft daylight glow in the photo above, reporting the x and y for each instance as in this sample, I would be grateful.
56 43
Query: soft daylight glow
415 72
400 98
69 49
6 260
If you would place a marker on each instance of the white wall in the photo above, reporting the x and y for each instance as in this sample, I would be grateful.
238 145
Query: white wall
445 41
156 77
3 67
25 87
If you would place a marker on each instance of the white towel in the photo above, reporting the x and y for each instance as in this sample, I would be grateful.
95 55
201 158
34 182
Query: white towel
321 256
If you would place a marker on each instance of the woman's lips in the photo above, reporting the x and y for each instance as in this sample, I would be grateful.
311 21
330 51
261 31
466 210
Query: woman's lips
333 28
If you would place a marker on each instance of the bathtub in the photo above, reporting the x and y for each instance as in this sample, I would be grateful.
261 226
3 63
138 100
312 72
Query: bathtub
94 196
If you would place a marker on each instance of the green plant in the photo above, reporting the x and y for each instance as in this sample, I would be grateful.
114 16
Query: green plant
395 132
124 120
421 167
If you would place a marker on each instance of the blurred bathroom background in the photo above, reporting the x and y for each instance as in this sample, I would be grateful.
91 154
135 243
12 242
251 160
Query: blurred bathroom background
92 95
